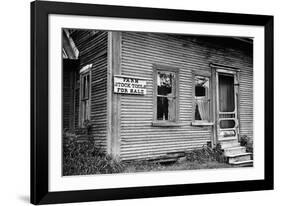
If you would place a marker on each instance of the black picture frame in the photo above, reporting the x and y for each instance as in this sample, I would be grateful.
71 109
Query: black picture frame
40 108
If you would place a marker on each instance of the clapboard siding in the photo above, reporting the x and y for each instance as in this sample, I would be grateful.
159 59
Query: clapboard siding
140 140
69 69
92 46
76 100
67 100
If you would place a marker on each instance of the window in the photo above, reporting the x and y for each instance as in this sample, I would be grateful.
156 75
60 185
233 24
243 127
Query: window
84 97
166 87
201 98
85 86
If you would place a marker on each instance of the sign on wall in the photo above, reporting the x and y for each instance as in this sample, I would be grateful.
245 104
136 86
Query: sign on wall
129 85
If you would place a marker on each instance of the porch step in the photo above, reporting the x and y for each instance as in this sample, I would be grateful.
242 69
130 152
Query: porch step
246 163
236 154
239 157
234 150
229 143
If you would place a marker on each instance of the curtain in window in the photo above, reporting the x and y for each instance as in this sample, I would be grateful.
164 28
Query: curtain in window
171 108
203 107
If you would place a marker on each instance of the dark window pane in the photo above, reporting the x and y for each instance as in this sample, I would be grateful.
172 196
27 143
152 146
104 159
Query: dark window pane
165 82
201 86
85 86
227 124
200 91
226 93
162 108
197 113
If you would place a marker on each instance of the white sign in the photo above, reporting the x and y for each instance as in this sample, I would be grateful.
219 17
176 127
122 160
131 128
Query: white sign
129 85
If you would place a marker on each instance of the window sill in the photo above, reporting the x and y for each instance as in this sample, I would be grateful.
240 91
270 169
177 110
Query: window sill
200 124
166 124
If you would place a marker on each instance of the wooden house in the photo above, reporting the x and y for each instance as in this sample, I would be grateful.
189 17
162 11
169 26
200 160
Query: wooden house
151 95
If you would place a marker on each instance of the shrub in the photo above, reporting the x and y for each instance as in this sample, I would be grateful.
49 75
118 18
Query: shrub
247 142
81 158
205 154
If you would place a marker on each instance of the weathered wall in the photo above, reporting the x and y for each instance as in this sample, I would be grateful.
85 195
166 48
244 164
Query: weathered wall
92 48
139 52
69 69
68 99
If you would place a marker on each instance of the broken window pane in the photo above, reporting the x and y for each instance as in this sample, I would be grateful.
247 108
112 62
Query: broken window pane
200 91
201 98
164 82
166 95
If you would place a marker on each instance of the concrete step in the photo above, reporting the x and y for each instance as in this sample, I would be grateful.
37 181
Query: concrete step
239 157
229 143
234 150
246 163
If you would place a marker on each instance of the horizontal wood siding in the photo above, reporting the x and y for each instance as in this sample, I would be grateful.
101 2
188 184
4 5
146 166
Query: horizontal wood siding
140 140
92 48
76 100
67 99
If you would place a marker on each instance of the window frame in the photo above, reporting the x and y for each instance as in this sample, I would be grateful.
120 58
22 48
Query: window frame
206 74
86 70
165 123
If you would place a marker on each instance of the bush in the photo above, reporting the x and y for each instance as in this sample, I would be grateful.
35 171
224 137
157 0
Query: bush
81 158
206 154
247 142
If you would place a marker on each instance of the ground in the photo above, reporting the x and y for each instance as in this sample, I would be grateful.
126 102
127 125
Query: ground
185 165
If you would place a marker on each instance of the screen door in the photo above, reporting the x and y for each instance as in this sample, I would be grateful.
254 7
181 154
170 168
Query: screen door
227 115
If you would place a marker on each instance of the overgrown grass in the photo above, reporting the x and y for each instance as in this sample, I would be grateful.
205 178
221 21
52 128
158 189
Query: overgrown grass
247 142
82 158
203 158
206 154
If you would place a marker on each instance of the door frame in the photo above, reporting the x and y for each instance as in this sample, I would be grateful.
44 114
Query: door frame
223 69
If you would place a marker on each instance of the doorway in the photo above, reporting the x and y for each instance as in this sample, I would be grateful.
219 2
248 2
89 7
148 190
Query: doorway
227 124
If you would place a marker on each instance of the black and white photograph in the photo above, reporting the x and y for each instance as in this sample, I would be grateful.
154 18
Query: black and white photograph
137 102
150 102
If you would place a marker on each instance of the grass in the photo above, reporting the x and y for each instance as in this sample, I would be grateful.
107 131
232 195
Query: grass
144 166
83 158
204 158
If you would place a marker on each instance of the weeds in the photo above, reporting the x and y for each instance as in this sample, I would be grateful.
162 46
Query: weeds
81 158
206 154
247 142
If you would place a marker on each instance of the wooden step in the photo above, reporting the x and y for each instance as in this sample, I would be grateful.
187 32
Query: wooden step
239 157
229 143
246 163
234 150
